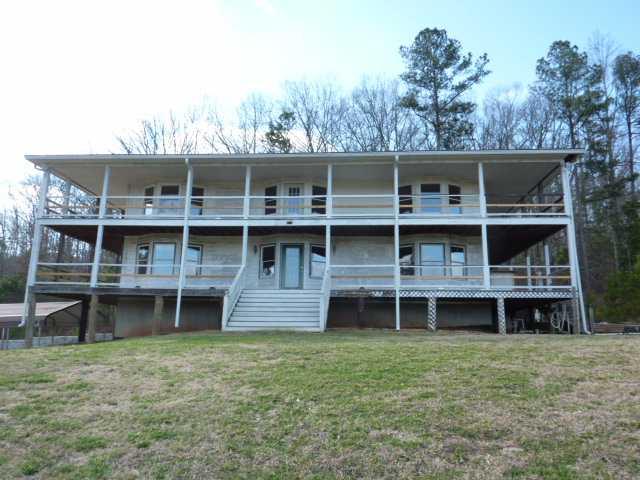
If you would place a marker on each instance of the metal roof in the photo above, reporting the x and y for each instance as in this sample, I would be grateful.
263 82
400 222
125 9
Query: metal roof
11 313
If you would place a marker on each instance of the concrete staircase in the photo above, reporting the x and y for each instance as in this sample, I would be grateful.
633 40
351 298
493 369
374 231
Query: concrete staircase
276 310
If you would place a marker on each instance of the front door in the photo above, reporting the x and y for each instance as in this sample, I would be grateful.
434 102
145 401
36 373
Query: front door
292 266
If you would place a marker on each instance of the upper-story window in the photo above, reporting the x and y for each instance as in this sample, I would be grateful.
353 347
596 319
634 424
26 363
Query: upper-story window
430 198
270 203
148 200
197 202
169 203
294 204
455 199
405 199
319 200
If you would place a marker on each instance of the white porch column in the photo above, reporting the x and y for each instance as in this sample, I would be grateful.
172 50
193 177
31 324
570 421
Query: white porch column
396 242
97 253
35 249
486 271
185 241
329 202
246 210
528 260
327 246
547 263
502 319
571 243
481 192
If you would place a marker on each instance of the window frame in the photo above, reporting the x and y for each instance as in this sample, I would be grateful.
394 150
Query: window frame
261 274
198 266
463 265
271 204
434 208
311 262
454 199
173 207
412 268
148 201
444 259
200 205
407 198
143 269
173 261
318 200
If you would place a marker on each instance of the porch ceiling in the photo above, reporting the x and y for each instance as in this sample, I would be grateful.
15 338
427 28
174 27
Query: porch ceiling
86 170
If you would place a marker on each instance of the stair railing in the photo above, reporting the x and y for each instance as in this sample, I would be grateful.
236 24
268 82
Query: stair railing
233 294
325 297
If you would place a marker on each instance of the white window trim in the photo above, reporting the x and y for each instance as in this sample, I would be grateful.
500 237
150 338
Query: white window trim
175 252
146 267
261 275
311 245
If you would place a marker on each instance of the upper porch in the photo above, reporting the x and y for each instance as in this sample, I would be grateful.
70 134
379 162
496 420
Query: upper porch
309 188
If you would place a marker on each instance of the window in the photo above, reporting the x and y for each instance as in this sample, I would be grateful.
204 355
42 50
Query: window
267 261
455 199
319 200
148 201
169 201
318 261
432 259
193 260
458 261
430 198
163 258
270 203
405 199
197 203
406 260
142 259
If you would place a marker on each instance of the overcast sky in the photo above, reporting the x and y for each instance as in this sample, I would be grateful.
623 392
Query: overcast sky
76 73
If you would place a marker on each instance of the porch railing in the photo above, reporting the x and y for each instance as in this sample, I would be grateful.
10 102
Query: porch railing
325 297
233 294
305 206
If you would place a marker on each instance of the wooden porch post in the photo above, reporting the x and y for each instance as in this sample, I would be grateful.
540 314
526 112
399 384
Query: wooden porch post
158 308
93 318
31 318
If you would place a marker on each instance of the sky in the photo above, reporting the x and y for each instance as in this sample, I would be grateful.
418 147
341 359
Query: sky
74 74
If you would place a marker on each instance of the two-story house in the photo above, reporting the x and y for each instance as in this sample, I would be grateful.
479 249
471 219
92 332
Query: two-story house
313 241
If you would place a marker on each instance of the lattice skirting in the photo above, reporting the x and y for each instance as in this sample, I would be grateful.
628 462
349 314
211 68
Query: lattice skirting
432 319
544 294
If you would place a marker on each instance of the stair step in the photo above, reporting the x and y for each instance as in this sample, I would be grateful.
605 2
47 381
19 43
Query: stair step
267 328
292 323
283 292
274 310
275 299
284 320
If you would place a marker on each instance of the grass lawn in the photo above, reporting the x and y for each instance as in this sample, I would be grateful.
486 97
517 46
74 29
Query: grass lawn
335 405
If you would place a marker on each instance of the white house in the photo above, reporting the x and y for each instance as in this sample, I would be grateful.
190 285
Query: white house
313 241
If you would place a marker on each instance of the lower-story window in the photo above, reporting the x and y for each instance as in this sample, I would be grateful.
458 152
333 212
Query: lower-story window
458 261
267 261
142 259
163 258
318 261
193 260
432 260
406 260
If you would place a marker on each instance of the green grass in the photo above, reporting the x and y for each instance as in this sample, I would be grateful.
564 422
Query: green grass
335 405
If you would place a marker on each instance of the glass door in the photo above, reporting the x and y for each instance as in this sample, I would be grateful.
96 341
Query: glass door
292 268
294 202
